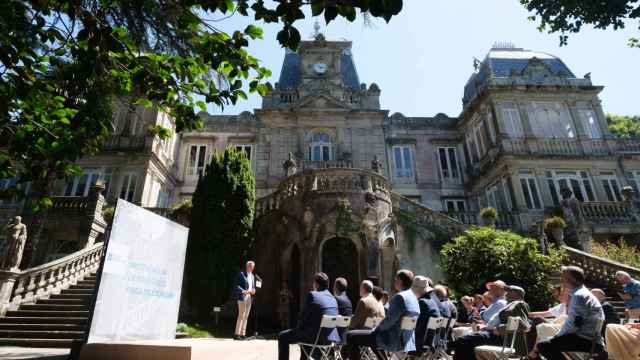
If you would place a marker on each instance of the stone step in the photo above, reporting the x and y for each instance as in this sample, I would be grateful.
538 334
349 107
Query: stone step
56 307
85 297
82 286
43 320
44 327
77 292
87 282
39 334
64 301
37 343
48 313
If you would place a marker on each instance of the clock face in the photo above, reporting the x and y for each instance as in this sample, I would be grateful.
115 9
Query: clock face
320 68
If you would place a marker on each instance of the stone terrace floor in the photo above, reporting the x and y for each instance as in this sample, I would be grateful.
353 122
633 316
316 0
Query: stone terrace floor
224 349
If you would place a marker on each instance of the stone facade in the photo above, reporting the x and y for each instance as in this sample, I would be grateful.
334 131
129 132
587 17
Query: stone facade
333 170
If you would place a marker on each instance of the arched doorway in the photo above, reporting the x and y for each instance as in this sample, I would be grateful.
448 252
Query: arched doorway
340 259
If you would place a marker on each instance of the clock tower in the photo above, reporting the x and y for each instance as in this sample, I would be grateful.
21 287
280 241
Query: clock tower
321 68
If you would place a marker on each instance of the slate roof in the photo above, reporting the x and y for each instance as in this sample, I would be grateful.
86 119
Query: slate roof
290 73
500 62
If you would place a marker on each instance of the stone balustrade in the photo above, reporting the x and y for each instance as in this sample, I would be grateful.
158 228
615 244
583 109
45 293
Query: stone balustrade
69 204
122 143
326 180
569 147
609 212
332 164
598 271
426 217
40 282
505 220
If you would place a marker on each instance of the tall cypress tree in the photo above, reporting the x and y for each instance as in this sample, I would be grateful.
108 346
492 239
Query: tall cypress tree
221 229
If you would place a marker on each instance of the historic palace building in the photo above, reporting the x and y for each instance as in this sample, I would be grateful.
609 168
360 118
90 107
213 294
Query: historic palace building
349 188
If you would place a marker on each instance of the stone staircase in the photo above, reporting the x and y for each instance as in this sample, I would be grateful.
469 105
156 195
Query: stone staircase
54 322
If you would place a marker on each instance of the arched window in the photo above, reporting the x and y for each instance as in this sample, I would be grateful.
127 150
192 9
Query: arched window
320 148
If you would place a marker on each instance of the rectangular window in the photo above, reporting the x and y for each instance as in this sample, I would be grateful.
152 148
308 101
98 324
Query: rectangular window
80 185
511 120
492 197
530 189
611 185
590 123
506 192
128 186
550 120
454 206
403 161
448 163
577 181
197 160
246 148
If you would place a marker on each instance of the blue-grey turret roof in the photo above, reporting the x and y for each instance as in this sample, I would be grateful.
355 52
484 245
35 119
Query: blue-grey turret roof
291 71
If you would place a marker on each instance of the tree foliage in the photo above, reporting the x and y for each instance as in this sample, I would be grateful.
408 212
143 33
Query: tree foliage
221 229
484 254
620 251
64 63
624 126
569 16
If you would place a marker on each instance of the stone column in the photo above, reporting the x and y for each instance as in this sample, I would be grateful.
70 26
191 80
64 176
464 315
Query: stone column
7 282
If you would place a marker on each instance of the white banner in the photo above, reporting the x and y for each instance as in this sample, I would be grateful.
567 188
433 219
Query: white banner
139 294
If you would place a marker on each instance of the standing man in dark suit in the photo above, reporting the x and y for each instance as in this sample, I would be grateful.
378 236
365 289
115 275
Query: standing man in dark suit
243 292
319 302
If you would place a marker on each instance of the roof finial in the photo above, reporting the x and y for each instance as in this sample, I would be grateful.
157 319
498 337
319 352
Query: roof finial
317 35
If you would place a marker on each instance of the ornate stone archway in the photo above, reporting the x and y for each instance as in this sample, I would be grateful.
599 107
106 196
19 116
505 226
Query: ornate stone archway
340 257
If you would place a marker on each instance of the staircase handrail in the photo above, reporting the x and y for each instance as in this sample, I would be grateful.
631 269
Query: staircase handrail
50 278
598 270
432 219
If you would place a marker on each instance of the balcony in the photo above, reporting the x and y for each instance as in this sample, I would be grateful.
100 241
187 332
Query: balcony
569 147
127 143
331 164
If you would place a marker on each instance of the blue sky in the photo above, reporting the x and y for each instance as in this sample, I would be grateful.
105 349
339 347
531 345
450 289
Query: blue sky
422 59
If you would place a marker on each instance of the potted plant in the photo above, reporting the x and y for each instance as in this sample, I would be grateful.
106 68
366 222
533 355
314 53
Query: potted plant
488 216
556 225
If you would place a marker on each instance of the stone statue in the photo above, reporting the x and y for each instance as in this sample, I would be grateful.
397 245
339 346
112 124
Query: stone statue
376 164
16 237
570 208
290 166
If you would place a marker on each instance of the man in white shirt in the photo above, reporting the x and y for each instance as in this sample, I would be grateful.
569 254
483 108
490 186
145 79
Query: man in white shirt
244 290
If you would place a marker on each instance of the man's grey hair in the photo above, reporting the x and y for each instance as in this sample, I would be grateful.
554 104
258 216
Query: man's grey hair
622 274
250 263
576 273
367 285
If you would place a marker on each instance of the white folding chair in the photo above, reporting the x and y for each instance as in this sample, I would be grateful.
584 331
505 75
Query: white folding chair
366 353
343 322
327 323
588 355
406 324
429 349
508 344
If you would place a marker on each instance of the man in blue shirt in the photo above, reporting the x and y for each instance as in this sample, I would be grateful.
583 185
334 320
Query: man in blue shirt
497 289
630 293
584 316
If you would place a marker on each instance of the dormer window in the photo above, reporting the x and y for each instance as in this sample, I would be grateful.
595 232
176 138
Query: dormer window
321 148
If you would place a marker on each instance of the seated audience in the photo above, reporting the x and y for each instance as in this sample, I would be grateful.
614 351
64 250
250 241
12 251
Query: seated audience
378 293
428 309
478 302
367 307
623 341
555 311
385 300
467 315
492 333
580 328
388 336
319 302
610 315
630 294
340 293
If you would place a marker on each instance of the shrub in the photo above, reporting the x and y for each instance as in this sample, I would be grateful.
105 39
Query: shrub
485 254
554 222
489 213
620 251
107 214
192 331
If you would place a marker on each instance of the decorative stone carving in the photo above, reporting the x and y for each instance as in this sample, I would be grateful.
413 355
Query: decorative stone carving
290 166
570 208
16 237
307 220
376 164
